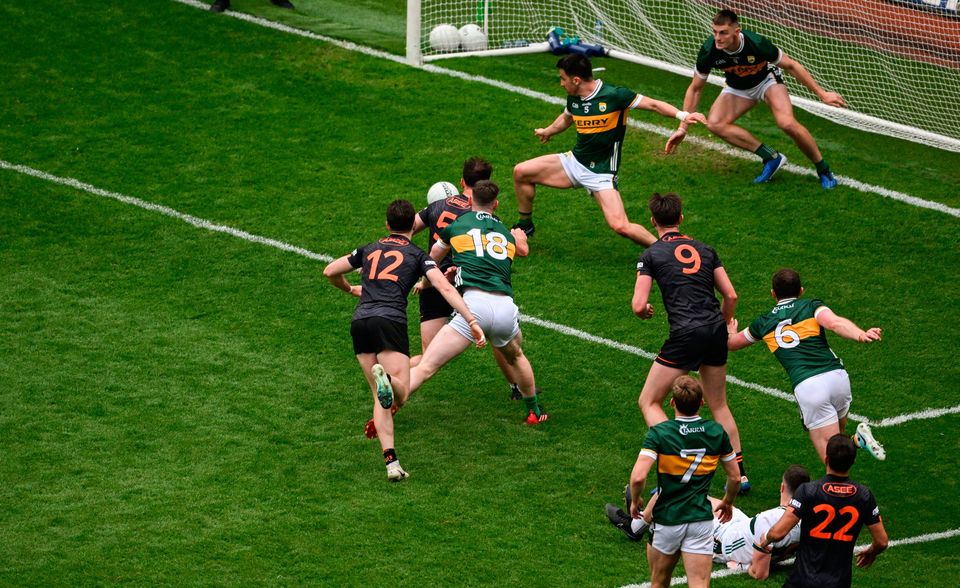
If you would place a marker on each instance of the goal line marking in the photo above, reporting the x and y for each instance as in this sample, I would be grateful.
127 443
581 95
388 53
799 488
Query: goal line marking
651 128
681 580
200 223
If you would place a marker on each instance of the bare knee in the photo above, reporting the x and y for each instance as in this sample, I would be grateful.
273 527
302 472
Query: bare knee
621 227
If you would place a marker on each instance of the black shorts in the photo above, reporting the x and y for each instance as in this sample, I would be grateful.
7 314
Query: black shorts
705 345
375 334
433 305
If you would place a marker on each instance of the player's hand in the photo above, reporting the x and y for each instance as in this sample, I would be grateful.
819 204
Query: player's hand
542 134
694 118
477 332
675 139
833 99
647 312
356 291
636 507
724 511
732 327
866 558
871 334
451 274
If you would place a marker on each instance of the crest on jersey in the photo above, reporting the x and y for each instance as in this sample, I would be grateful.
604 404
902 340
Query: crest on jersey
751 58
603 106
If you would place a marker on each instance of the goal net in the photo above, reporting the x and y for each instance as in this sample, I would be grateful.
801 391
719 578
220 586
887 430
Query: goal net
895 62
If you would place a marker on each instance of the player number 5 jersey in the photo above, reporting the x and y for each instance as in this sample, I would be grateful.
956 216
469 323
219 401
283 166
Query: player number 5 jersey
601 122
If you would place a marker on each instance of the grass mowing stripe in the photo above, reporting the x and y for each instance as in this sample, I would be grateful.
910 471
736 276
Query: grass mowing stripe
651 128
681 580
562 329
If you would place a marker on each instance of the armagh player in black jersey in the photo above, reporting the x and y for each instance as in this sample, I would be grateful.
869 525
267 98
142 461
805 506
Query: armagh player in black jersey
832 511
687 272
389 269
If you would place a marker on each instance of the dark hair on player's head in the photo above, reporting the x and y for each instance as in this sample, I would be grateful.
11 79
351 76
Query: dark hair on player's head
578 65
794 476
687 395
666 209
476 169
841 453
400 215
786 283
726 17
485 193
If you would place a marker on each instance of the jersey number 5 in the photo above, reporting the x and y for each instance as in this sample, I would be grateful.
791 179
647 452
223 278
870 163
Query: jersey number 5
385 273
687 255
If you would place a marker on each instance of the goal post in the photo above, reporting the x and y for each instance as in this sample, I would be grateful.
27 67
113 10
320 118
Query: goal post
895 62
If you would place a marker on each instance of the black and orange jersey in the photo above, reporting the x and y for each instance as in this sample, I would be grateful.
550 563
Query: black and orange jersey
683 269
438 215
832 512
745 68
601 123
389 268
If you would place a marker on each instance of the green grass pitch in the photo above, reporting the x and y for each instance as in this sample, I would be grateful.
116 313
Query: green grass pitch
182 407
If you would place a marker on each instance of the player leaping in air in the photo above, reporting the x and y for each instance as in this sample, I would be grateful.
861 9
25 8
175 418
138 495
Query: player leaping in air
599 113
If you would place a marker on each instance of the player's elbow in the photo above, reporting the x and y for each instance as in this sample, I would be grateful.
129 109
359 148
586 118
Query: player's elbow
328 272
759 574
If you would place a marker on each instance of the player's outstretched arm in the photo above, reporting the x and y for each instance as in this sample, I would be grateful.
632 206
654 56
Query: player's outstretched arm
453 297
847 328
559 125
736 340
779 530
334 272
796 69
866 558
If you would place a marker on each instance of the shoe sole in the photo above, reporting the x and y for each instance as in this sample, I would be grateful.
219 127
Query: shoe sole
867 441
783 162
384 389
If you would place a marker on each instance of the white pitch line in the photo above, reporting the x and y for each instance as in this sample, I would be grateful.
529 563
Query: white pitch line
562 329
681 580
651 128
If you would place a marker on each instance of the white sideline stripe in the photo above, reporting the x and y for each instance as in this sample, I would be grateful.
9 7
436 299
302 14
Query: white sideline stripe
681 580
165 210
562 329
659 130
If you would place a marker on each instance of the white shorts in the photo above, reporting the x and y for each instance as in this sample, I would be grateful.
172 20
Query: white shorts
824 399
755 93
694 538
581 176
496 313
721 529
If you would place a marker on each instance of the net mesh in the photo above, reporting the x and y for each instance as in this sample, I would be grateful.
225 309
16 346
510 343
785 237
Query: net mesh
894 62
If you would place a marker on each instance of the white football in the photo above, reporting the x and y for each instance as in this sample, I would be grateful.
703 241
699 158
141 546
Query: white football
441 191
472 38
445 38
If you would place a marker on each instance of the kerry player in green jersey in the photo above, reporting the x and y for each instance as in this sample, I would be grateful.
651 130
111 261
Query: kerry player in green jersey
752 64
599 113
794 333
482 250
687 451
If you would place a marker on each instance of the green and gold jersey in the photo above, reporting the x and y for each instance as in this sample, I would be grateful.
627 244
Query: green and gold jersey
688 451
794 336
745 68
482 249
601 122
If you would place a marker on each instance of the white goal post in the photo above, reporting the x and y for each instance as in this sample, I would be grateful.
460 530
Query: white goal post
895 62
